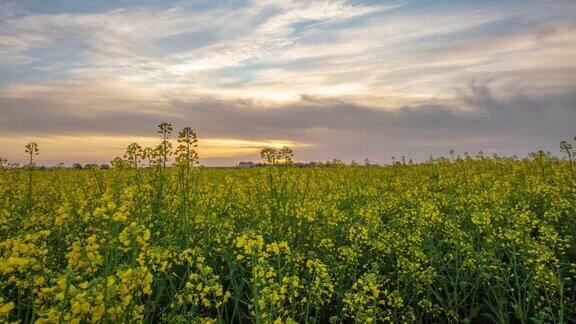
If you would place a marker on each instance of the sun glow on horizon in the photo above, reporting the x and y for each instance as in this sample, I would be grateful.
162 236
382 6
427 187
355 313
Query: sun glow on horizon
347 78
103 148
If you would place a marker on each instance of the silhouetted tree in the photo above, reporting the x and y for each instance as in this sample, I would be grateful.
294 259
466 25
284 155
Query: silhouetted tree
286 154
270 155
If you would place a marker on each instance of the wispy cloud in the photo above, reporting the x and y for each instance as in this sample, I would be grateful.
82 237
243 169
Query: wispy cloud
345 76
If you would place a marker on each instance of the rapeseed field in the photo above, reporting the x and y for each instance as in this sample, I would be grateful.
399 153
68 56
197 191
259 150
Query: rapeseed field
470 239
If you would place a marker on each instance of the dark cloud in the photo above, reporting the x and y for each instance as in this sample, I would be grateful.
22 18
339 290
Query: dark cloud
476 120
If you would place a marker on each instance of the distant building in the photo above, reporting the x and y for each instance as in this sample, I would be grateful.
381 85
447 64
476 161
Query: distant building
245 165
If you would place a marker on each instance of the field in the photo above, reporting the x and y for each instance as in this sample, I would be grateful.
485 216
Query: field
465 240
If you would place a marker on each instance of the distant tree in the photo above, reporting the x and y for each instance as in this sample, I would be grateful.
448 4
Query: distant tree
104 166
77 166
274 156
270 155
286 154
60 165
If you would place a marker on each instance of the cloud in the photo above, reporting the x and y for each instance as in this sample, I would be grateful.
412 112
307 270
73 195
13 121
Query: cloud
275 33
352 79
476 120
278 50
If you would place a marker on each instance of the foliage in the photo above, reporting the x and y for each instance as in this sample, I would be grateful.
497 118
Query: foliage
284 155
467 239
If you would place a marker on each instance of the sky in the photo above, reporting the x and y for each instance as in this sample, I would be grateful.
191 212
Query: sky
332 79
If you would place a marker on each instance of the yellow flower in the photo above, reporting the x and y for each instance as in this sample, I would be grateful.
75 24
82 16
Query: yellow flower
6 308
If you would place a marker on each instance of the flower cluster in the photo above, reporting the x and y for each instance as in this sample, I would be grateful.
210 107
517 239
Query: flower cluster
461 240
85 256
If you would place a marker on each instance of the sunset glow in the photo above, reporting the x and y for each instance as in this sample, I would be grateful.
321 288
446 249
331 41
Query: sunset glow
352 79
